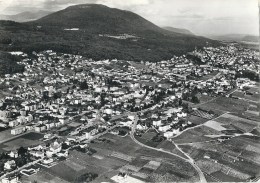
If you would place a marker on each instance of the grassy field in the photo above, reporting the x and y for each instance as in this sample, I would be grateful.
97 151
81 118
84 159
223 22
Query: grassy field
32 136
146 138
254 97
25 140
5 134
43 176
197 120
224 104
169 146
195 135
168 167
242 124
236 158
183 170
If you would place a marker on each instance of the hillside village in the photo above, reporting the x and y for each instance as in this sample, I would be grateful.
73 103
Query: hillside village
68 100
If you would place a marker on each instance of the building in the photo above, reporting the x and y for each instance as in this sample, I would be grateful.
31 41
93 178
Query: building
18 130
13 123
9 165
40 128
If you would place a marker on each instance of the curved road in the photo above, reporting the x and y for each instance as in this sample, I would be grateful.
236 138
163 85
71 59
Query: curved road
189 160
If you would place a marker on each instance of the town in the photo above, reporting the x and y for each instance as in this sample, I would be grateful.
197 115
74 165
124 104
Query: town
64 105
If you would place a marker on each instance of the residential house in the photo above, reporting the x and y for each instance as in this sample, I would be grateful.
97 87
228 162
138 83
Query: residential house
9 165
17 131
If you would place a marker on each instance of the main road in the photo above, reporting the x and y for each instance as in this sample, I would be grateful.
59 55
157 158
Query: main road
189 160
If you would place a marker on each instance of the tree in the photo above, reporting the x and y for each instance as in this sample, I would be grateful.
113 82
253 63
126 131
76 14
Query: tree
83 85
22 151
87 177
195 99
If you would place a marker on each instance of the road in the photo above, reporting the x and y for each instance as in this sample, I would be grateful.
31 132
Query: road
20 168
189 160
199 125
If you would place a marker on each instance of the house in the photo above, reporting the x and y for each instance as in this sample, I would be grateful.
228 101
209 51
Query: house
54 148
168 134
47 161
38 154
29 127
157 123
62 153
13 154
10 179
17 131
9 165
3 125
50 125
40 128
13 123
141 127
164 128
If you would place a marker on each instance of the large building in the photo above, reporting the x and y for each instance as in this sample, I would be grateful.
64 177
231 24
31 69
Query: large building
17 131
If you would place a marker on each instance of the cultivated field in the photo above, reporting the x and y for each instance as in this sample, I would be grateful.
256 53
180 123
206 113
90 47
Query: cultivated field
236 159
25 140
225 104
242 124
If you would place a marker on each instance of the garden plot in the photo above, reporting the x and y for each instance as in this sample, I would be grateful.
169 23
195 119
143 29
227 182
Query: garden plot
152 165
215 125
243 124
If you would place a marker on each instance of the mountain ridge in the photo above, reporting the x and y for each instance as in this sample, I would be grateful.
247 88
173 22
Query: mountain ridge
178 30
25 16
98 32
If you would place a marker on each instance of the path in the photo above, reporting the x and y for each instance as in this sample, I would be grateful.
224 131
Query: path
189 160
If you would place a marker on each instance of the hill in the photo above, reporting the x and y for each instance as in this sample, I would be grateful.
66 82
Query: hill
235 37
251 38
98 32
8 64
178 30
25 16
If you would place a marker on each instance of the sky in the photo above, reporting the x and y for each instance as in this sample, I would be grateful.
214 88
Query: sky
202 17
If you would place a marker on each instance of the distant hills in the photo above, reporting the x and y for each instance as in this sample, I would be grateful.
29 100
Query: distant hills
99 32
178 30
236 37
26 16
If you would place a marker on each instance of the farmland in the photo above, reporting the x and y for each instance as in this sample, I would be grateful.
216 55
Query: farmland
226 161
114 155
197 134
225 104
24 140
242 124
226 148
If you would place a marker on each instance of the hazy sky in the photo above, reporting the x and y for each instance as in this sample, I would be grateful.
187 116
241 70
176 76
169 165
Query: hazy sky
199 16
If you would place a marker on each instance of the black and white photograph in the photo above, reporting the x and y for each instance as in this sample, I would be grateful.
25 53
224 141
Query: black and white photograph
129 91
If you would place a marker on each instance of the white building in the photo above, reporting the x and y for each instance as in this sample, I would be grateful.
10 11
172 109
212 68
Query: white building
17 131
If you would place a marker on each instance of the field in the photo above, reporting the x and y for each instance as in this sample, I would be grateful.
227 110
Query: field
32 136
236 159
5 134
196 119
205 98
43 176
146 138
215 125
169 146
195 135
25 140
255 96
245 125
224 104
202 114
116 155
